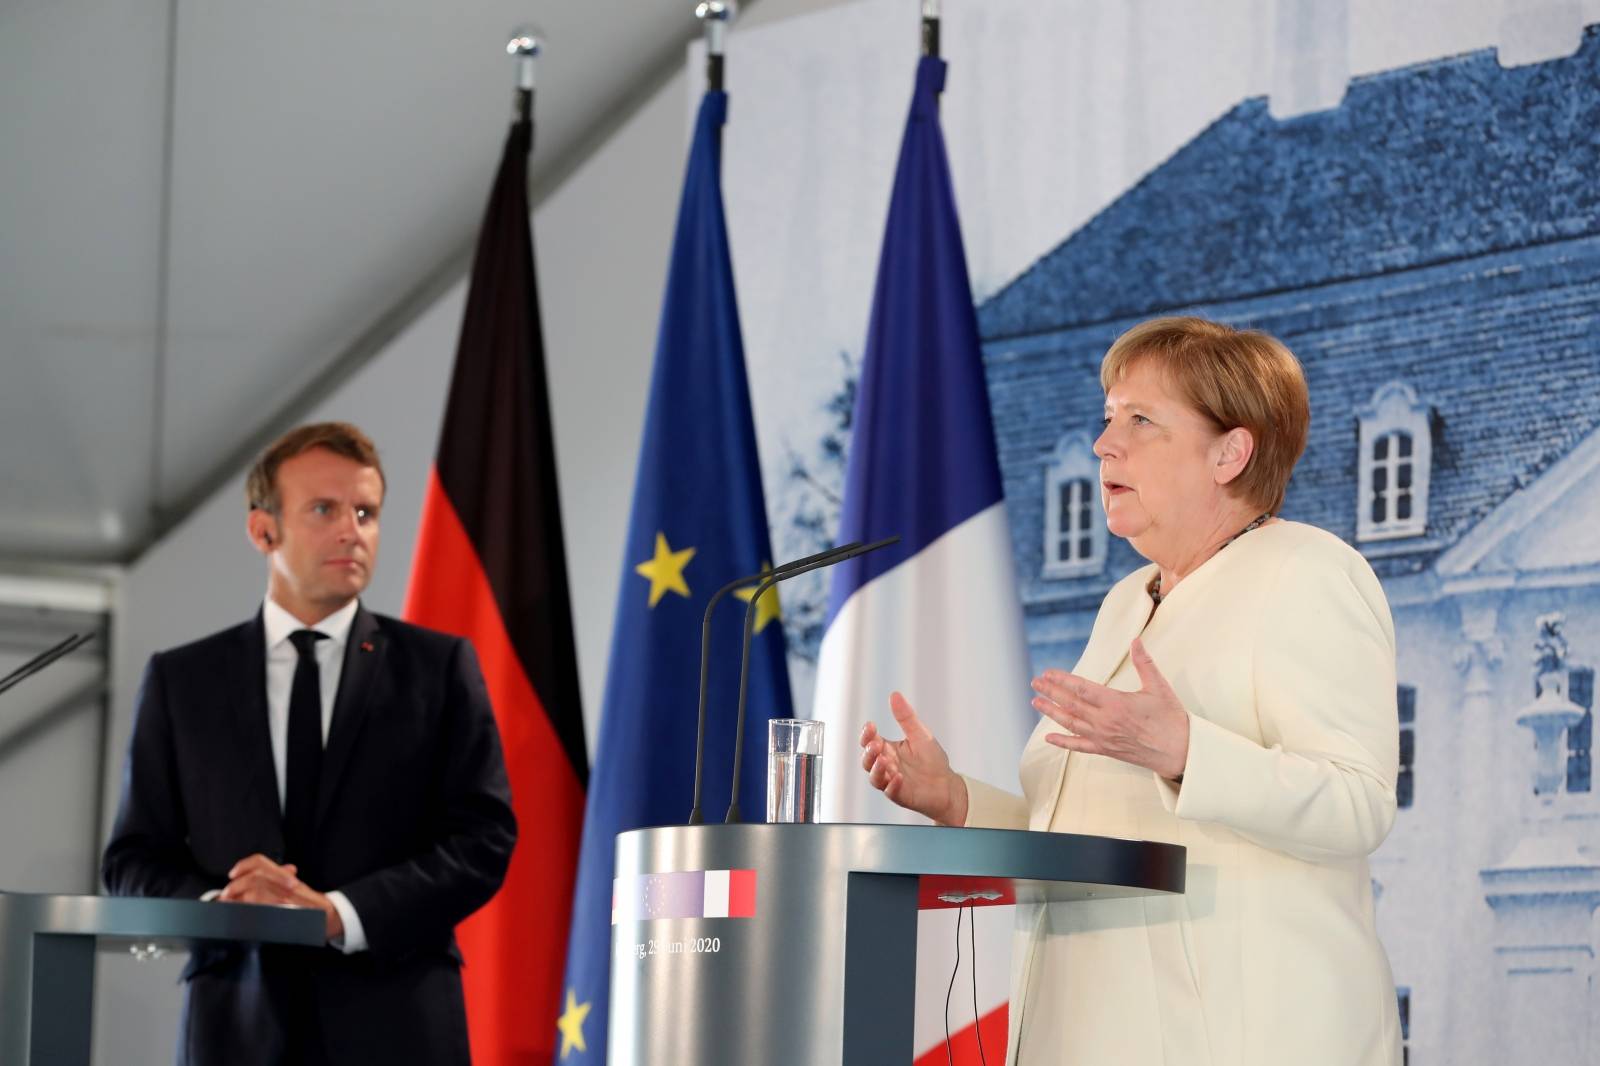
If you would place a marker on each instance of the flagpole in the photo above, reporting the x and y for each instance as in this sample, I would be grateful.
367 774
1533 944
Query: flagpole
715 14
525 45
930 28
496 574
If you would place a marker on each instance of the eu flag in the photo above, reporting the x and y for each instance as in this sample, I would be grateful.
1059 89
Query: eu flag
699 520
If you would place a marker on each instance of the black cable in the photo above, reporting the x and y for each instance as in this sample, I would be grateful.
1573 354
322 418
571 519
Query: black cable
977 1026
949 1055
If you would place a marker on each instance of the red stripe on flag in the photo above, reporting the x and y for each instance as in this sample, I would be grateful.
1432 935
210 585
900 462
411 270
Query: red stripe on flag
964 1044
515 947
741 893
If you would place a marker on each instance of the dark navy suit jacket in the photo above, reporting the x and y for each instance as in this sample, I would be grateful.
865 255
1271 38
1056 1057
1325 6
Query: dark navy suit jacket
413 825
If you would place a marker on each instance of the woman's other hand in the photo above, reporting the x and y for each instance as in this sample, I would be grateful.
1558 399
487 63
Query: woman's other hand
1147 728
915 772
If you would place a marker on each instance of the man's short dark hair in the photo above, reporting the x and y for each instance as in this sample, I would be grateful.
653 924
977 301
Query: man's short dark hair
340 438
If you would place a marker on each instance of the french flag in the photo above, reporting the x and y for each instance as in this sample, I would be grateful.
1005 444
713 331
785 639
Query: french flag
937 615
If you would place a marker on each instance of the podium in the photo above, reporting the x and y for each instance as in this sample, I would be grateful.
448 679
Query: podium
795 944
47 958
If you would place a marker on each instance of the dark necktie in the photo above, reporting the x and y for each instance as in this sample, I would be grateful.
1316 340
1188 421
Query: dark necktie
304 755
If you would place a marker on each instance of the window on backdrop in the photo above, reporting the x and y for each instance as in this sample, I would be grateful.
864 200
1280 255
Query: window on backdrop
1396 450
1580 738
1403 995
1406 698
1074 522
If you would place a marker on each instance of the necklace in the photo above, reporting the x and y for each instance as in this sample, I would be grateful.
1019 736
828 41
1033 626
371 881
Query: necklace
1255 523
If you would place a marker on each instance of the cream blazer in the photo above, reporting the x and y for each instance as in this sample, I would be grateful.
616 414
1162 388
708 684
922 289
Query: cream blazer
1281 647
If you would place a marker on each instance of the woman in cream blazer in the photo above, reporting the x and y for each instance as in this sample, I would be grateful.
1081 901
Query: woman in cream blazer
1237 697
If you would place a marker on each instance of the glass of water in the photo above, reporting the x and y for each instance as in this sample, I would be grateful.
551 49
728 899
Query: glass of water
794 769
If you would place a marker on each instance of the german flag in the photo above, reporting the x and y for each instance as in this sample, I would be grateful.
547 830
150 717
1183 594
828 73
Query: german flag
491 566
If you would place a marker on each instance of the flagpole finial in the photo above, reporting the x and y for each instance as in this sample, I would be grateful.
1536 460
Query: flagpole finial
930 28
525 45
715 15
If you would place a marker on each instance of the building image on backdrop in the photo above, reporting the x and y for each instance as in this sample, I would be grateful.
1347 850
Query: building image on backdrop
1430 249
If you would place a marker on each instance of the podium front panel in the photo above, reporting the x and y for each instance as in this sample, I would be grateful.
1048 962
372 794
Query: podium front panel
795 945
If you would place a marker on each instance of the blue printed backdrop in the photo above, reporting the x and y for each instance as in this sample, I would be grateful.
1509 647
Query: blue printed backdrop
1425 235
1431 251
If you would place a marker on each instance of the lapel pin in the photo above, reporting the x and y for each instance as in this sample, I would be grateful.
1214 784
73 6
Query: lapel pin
366 645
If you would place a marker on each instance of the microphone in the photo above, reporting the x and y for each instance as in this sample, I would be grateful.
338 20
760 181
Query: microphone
44 659
821 558
848 552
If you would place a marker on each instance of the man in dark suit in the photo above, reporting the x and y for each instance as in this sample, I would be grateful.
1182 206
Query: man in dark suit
319 755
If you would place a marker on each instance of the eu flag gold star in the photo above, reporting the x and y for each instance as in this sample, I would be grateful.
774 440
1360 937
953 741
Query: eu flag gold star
665 571
571 1024
767 608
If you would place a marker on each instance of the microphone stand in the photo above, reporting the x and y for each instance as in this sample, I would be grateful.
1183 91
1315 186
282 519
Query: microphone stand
849 552
44 659
696 817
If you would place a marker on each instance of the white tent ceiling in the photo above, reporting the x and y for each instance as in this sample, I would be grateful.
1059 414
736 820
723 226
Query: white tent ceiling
207 208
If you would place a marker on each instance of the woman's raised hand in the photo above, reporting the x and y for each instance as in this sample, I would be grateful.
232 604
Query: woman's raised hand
1147 728
915 772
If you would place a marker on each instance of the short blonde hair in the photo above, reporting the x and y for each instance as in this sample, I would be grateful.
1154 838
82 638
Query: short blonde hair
1237 379
340 438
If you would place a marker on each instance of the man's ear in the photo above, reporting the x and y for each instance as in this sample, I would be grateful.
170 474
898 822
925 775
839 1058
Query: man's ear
1236 448
262 529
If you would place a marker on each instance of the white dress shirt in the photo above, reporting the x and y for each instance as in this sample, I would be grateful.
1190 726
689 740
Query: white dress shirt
281 660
